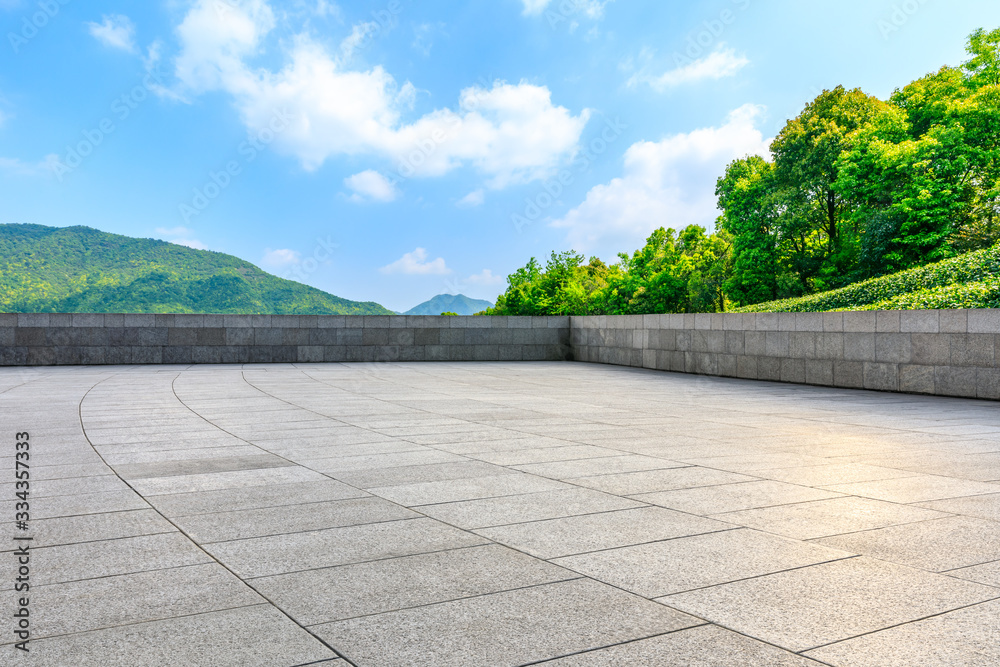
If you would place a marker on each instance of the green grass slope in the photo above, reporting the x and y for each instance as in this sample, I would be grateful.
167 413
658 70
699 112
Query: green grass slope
450 303
83 270
967 281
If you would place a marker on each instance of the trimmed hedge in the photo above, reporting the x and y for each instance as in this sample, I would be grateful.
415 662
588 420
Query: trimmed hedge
967 281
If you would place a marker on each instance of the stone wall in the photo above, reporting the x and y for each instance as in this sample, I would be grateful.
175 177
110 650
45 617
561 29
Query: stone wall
946 352
69 339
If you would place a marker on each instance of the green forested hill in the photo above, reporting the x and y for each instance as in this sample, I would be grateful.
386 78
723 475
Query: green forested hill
83 270
450 303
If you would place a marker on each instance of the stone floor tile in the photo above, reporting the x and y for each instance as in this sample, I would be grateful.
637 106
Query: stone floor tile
967 637
278 554
258 636
982 507
274 495
337 593
242 524
591 532
987 573
817 605
686 563
416 474
224 480
833 473
823 518
734 497
427 493
510 628
702 646
633 483
917 489
602 466
259 461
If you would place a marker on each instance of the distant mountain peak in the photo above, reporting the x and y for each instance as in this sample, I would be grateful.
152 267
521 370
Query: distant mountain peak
450 303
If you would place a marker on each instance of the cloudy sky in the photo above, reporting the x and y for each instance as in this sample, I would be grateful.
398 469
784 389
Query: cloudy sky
387 150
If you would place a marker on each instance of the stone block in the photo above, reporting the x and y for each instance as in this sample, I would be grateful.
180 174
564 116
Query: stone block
334 353
267 336
793 370
972 349
330 322
482 336
848 374
703 321
802 345
830 345
205 354
769 368
953 321
112 320
386 353
988 383
515 353
776 343
375 322
457 336
930 349
88 320
237 321
8 319
767 322
735 343
486 352
833 322
180 354
211 337
147 355
727 365
984 320
7 336
887 321
746 367
859 346
375 336
919 321
295 337
41 356
163 320
955 381
819 372
861 321
310 354
214 321
786 321
755 343
234 354
189 321
916 379
350 336
881 377
30 336
140 320
60 319
809 322
893 348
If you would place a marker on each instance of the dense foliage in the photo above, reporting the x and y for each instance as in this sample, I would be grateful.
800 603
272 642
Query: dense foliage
968 281
83 270
854 188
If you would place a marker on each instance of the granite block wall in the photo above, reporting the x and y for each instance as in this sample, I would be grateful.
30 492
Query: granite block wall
74 339
943 352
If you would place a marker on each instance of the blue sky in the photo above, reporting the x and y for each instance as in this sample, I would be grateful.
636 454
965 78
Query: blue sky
391 151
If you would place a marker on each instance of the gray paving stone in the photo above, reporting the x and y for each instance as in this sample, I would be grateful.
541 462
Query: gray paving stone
264 556
936 545
686 563
967 637
244 637
487 512
107 558
97 526
987 573
225 480
600 466
93 604
426 493
628 484
813 606
242 524
196 466
916 489
592 532
337 593
824 518
245 498
833 473
735 497
702 646
545 455
510 628
415 474
86 503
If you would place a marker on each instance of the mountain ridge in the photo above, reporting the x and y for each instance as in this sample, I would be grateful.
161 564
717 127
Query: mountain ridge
82 269
450 303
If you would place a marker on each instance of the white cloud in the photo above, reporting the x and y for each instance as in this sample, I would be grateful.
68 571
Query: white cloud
117 31
670 183
190 243
719 64
511 133
415 264
371 186
48 165
177 236
471 200
486 279
280 258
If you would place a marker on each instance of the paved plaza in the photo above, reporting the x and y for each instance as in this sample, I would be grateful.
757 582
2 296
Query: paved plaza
454 514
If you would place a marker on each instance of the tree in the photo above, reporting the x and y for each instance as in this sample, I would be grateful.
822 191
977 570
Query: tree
983 68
